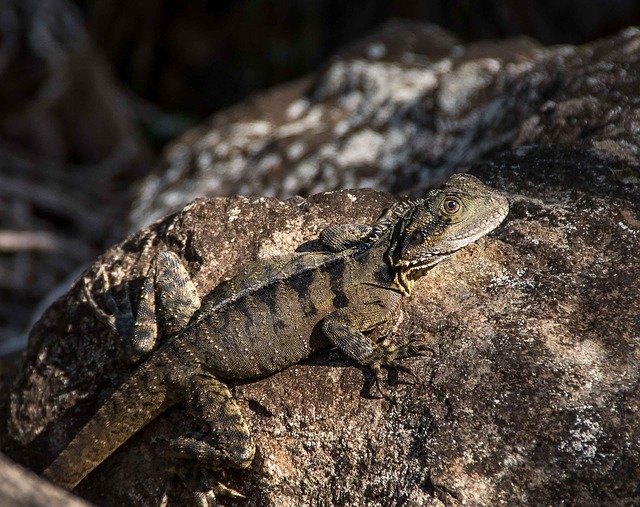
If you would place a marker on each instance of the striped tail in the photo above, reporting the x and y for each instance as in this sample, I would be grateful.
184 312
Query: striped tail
131 407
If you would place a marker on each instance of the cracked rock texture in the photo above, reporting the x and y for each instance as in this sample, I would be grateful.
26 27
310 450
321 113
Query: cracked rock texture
401 110
531 398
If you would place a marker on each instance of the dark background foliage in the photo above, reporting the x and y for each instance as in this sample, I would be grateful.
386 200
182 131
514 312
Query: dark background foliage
196 56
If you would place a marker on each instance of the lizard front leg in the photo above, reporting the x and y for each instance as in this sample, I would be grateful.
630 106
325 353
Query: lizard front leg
346 328
342 237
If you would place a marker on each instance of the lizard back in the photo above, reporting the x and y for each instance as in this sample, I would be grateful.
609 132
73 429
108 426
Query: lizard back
266 317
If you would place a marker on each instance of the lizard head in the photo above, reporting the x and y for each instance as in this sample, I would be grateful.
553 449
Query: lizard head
449 218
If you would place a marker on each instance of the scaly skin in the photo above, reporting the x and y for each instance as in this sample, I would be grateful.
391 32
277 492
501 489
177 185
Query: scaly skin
270 316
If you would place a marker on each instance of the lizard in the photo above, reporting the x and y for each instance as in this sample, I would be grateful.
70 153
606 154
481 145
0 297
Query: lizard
269 316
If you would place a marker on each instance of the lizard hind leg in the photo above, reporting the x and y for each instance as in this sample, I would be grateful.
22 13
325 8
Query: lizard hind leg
168 298
224 442
176 294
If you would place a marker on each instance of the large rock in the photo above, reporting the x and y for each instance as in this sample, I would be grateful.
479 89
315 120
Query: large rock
532 396
400 111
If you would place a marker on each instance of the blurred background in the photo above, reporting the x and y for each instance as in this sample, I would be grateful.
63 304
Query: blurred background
91 91
196 56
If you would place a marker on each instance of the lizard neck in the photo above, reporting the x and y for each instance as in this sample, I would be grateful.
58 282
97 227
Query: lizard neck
378 255
393 236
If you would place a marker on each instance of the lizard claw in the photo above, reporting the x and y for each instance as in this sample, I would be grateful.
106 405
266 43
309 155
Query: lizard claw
222 489
389 356
415 348
406 369
377 371
204 488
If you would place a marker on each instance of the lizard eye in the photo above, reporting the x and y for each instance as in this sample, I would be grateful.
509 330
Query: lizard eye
451 206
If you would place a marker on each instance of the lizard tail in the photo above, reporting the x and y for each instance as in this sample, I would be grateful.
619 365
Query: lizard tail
131 407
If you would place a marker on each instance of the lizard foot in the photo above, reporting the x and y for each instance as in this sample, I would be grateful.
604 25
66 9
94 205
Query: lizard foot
204 487
121 310
388 356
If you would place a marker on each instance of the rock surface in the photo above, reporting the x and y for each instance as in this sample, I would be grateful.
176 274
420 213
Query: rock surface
533 394
532 397
400 111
